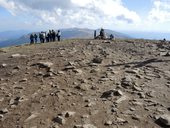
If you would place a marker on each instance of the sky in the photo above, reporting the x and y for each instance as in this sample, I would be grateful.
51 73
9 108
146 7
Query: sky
119 15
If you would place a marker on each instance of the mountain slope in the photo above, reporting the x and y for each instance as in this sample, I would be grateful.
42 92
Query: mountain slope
64 85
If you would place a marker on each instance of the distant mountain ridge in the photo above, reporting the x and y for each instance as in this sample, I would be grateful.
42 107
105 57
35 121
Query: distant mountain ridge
22 37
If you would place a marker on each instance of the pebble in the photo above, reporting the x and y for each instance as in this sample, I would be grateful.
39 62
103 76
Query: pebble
60 120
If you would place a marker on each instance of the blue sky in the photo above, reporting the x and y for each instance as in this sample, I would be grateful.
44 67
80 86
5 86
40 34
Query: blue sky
120 15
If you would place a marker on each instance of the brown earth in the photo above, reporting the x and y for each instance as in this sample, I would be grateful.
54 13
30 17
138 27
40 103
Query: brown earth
99 84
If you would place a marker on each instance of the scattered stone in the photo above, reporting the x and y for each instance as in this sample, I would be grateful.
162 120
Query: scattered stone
4 111
123 98
108 94
120 121
132 109
90 104
17 55
108 122
55 126
32 116
78 126
127 82
70 114
78 71
141 95
167 54
88 126
112 93
69 68
60 72
168 108
164 120
83 87
132 71
85 116
94 112
44 64
1 116
137 88
107 42
136 117
97 60
114 109
1 99
48 74
60 120
3 65
24 80
118 93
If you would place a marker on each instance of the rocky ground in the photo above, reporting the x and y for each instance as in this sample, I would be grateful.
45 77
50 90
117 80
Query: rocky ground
86 84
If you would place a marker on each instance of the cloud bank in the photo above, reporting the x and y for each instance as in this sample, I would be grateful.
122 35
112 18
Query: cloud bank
73 13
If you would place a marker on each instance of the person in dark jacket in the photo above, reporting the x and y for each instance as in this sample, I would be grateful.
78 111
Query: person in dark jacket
53 35
95 34
31 39
35 38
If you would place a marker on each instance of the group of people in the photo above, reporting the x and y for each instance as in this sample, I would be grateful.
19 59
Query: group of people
102 35
49 36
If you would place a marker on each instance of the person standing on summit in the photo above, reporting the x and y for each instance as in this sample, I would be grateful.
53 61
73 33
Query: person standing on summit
53 35
95 34
35 37
31 39
102 34
59 35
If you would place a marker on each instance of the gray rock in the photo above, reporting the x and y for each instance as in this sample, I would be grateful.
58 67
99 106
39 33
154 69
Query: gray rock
123 98
4 111
78 71
60 120
127 82
89 126
70 114
108 122
118 93
24 80
137 88
78 126
136 117
17 55
69 68
3 65
120 121
32 116
55 126
108 94
1 116
44 64
97 60
165 119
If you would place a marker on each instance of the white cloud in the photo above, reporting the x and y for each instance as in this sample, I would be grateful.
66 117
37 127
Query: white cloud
73 13
160 12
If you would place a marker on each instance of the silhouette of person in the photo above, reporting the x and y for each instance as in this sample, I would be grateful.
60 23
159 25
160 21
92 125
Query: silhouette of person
35 38
31 39
59 35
